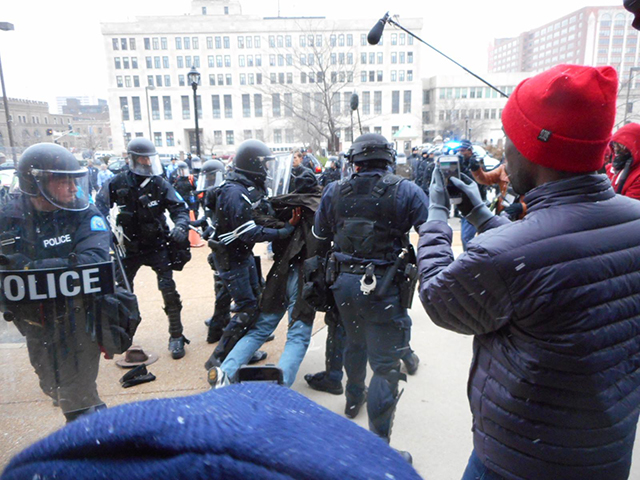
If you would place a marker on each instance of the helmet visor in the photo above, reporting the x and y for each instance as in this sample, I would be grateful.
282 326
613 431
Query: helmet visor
196 163
146 166
183 171
278 174
68 190
209 180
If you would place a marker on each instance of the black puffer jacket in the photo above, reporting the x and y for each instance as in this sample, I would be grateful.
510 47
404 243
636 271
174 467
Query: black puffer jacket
554 302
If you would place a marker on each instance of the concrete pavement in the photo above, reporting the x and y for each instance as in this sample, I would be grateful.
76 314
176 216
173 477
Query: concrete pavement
432 421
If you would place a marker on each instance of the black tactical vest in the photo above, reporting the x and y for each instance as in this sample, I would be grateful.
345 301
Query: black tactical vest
365 213
141 212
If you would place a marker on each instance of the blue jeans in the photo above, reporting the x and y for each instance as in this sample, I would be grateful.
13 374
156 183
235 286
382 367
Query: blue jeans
298 337
477 471
467 232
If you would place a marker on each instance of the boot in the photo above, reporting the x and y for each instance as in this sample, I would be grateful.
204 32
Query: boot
214 334
258 356
352 409
217 378
320 381
212 362
71 416
411 362
405 455
176 346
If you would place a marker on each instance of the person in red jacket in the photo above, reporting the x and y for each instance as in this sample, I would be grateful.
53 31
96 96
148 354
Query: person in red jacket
624 170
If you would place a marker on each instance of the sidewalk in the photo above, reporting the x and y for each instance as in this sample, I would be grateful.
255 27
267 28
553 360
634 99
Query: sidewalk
432 421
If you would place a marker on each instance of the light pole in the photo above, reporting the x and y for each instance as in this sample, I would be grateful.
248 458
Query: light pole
6 26
146 91
124 111
626 105
194 80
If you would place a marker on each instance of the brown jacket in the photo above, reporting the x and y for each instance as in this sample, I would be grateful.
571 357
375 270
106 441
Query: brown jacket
497 176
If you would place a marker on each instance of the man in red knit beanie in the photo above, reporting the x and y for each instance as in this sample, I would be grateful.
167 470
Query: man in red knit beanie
553 300
624 170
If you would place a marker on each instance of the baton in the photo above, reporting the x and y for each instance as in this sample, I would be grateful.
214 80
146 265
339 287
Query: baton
385 283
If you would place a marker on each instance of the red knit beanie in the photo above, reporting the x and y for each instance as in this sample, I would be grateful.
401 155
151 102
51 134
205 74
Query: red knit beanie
563 117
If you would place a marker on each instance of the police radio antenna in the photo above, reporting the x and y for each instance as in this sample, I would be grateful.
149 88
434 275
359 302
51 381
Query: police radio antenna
376 33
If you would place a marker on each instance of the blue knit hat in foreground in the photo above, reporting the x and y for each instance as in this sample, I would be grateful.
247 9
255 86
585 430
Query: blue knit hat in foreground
252 431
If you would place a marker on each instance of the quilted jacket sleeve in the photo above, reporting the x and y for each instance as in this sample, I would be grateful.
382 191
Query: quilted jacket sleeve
466 295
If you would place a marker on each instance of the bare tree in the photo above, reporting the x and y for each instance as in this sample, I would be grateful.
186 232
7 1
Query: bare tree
314 106
458 118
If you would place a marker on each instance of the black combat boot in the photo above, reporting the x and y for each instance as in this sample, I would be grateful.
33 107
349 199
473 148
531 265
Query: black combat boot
320 381
353 406
411 362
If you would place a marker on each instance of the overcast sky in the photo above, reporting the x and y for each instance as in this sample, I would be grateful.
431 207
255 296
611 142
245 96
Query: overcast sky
56 48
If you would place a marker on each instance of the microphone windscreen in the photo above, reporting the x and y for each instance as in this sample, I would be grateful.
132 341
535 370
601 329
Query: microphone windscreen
376 33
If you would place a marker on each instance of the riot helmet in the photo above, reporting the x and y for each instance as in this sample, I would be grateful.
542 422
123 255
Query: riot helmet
196 163
425 152
211 175
371 146
252 159
182 169
51 171
143 158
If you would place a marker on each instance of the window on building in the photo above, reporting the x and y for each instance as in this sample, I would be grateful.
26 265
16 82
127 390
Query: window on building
137 112
407 102
277 136
157 139
226 42
118 63
166 103
186 107
217 137
395 101
181 81
377 103
246 105
124 109
215 103
116 45
275 104
230 139
178 43
170 139
228 107
257 104
288 105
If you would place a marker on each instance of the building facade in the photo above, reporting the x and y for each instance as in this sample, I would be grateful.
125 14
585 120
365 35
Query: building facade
287 81
461 106
32 123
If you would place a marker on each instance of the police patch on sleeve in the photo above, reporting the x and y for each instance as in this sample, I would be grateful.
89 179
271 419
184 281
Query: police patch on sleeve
98 224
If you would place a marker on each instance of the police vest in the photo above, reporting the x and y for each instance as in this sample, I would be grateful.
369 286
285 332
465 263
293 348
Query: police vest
141 211
366 217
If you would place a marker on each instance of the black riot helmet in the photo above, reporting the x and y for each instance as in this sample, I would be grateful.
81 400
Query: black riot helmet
49 170
252 157
144 158
371 146
182 169
211 175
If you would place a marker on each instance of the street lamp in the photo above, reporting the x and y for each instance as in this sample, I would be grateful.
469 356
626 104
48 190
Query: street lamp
194 80
626 106
6 26
146 91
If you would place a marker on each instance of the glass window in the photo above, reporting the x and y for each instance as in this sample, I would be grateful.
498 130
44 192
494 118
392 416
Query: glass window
186 107
156 43
240 42
218 42
115 44
246 105
256 41
170 139
186 42
123 43
275 104
377 103
225 41
136 81
257 104
157 139
137 112
118 63
178 43
209 42
119 83
228 107
217 137
229 135
166 104
215 103
407 102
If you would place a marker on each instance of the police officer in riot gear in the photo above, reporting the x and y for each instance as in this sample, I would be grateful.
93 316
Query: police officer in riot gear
368 216
236 234
142 197
54 225
210 178
185 185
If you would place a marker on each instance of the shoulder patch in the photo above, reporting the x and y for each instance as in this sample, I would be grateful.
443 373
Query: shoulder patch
98 224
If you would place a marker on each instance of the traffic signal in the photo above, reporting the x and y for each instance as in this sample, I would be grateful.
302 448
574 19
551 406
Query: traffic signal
49 131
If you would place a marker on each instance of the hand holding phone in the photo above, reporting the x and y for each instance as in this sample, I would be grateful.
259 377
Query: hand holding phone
450 167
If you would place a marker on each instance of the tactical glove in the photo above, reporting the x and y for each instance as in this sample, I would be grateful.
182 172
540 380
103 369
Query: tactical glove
179 234
474 164
15 261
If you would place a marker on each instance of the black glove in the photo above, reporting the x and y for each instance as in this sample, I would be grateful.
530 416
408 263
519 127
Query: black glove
199 223
15 261
472 207
474 164
206 235
179 234
514 210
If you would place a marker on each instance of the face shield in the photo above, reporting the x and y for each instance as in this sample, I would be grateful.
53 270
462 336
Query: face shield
146 166
278 175
196 163
68 190
209 180
183 171
346 171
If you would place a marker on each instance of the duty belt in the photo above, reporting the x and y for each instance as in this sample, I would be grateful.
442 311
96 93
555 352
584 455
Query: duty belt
359 268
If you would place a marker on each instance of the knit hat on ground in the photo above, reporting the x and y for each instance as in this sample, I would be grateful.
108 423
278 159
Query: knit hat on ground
241 431
563 117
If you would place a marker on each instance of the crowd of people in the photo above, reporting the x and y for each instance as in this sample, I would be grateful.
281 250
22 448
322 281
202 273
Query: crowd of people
548 283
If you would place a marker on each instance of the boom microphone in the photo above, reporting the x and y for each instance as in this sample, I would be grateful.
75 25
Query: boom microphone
376 32
354 101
